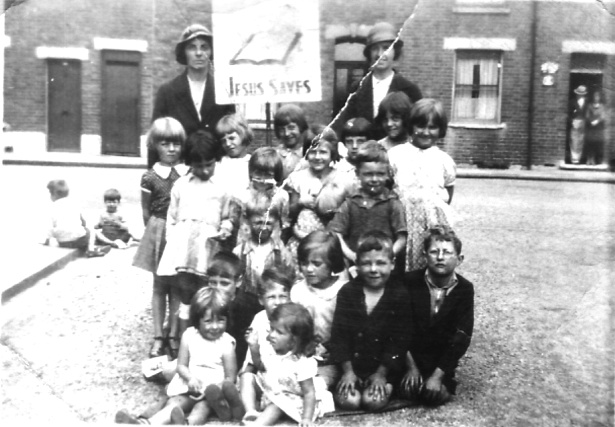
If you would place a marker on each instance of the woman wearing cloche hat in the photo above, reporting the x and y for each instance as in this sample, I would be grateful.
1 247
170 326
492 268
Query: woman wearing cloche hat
190 97
384 79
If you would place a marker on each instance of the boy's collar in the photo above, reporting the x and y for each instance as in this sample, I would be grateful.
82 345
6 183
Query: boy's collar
452 282
386 194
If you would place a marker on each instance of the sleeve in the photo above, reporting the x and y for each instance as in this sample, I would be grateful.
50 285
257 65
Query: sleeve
449 169
341 220
463 327
341 333
306 368
229 342
146 182
398 217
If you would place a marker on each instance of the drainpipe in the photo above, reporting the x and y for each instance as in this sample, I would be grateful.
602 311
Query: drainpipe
530 121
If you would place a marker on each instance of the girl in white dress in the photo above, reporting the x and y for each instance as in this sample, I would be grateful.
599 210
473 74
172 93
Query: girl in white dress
424 176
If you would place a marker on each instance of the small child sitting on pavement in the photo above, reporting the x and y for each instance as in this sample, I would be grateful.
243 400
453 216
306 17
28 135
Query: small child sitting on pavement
111 228
67 228
442 307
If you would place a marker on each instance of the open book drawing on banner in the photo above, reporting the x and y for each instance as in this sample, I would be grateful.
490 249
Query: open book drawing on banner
273 46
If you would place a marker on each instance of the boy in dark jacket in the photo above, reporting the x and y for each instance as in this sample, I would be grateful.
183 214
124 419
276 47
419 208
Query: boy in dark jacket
442 309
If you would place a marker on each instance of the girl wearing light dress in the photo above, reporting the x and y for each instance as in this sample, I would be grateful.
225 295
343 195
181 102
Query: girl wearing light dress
424 177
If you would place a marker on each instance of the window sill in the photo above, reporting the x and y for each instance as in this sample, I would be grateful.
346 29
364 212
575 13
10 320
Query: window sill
477 125
486 10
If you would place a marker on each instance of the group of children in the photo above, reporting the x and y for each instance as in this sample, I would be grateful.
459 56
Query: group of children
302 280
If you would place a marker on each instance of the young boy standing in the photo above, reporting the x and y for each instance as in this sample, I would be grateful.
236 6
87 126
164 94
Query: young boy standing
442 307
372 207
368 335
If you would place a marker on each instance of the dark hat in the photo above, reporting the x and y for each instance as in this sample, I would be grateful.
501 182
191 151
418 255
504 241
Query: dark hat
190 33
381 32
357 126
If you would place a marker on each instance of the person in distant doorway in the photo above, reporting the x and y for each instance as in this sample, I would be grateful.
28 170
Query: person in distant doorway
382 49
594 130
578 111
190 97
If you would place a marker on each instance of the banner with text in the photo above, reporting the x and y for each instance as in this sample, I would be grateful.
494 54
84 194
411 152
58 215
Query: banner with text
266 51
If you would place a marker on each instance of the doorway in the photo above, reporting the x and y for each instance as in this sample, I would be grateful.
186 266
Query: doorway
64 105
121 94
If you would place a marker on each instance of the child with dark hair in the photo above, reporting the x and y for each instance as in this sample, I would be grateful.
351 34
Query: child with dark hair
424 176
322 264
372 206
201 216
394 117
354 134
165 141
442 309
288 381
291 129
368 336
111 228
67 227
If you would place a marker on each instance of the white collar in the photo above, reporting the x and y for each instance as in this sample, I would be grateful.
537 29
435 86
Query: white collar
164 171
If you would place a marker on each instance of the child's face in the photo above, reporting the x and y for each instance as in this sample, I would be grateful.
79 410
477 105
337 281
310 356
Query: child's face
373 177
315 270
224 284
394 126
212 326
112 205
442 259
425 136
374 268
289 134
353 143
319 157
263 181
275 295
280 338
261 227
233 145
204 169
169 152
380 49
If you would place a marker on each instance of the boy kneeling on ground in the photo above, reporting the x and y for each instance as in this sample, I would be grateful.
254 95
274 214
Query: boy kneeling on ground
442 307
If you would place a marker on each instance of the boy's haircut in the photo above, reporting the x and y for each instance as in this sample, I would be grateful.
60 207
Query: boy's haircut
298 321
441 234
357 126
279 275
289 113
225 264
235 123
209 299
324 134
327 244
267 160
163 129
371 151
201 146
396 103
424 110
58 187
374 240
260 204
112 194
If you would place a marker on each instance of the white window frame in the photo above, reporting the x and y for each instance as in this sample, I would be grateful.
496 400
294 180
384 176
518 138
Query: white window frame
255 114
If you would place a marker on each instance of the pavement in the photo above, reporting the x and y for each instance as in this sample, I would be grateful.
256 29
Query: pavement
43 260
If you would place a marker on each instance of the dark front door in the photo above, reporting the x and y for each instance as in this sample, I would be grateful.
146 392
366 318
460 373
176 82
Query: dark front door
121 89
64 105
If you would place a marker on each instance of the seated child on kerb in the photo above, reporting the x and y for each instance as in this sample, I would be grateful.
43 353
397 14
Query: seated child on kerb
111 228
67 227
369 337
442 307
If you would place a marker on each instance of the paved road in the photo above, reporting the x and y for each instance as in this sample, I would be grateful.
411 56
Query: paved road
540 254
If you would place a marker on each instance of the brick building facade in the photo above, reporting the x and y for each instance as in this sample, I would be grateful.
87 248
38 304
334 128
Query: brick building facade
80 75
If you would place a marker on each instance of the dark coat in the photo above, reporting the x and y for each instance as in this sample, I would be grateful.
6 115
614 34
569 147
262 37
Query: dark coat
173 99
362 103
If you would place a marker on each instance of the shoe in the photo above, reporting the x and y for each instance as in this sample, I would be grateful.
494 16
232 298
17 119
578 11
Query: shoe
231 394
217 402
250 418
123 417
158 347
177 416
173 344
98 251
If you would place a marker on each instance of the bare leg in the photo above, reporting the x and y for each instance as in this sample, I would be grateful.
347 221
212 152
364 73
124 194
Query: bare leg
199 413
163 417
159 307
269 416
247 385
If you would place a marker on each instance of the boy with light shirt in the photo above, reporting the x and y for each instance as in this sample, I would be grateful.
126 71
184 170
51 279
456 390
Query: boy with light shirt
442 307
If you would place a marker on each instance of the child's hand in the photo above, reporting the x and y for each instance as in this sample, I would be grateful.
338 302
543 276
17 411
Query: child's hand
377 387
432 387
347 384
195 386
252 339
306 423
411 383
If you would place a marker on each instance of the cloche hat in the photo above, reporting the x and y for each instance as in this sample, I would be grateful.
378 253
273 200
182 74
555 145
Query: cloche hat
190 33
381 32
